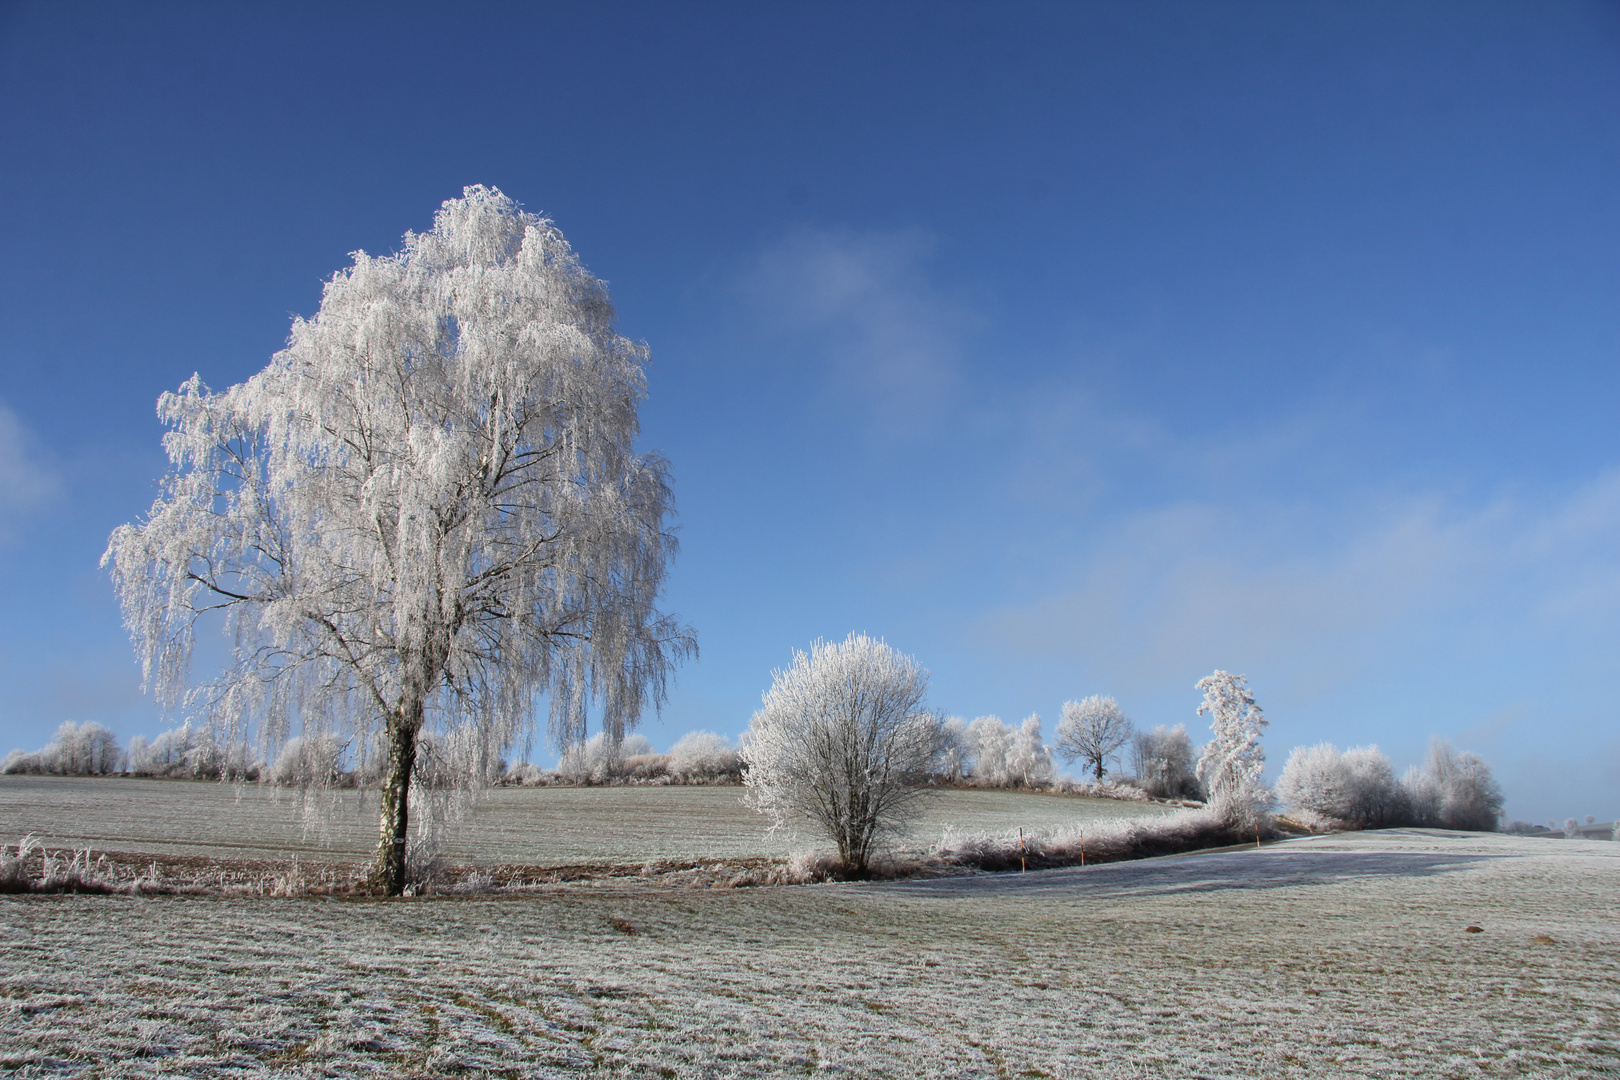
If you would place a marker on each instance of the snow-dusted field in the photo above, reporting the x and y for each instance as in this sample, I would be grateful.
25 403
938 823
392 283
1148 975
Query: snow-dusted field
1329 957
512 825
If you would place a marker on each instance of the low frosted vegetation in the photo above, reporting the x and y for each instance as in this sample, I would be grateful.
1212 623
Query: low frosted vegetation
1090 842
1357 789
1163 761
843 745
1343 956
989 752
826 792
189 751
75 750
698 757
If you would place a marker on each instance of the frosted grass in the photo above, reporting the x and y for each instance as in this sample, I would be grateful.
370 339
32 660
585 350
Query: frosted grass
1341 956
545 826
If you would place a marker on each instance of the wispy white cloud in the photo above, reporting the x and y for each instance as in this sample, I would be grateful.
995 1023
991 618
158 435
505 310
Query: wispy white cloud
862 306
27 479
1319 594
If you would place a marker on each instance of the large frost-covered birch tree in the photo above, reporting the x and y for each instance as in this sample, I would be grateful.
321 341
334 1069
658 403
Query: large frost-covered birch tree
424 515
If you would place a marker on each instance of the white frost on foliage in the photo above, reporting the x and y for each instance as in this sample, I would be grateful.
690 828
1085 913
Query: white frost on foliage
993 753
1092 731
1233 759
599 757
1163 760
954 758
703 755
1358 788
1029 764
842 741
427 510
87 749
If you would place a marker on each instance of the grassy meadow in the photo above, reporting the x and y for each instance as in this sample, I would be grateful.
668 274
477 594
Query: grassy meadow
1339 956
538 825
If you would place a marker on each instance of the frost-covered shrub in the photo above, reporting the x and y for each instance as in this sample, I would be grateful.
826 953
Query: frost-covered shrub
306 761
1375 798
645 769
1423 797
1459 790
185 751
986 746
704 757
86 750
523 774
1108 789
598 759
1029 764
577 759
1572 829
75 750
1163 762
1099 841
1313 782
954 758
1356 788
59 872
993 753
842 742
808 866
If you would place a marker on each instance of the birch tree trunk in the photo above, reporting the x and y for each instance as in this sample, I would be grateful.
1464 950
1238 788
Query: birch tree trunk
388 871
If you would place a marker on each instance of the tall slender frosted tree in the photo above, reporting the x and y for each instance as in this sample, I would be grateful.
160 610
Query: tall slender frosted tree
1233 759
425 514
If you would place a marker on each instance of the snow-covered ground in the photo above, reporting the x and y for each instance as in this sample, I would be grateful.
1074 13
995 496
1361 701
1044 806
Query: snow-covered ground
1335 956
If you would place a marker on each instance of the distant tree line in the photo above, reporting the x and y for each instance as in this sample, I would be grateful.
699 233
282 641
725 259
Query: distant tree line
89 749
192 752
844 741
75 750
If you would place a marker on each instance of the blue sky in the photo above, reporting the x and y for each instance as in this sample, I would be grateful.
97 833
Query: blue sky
1071 348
